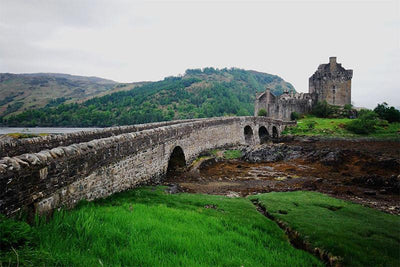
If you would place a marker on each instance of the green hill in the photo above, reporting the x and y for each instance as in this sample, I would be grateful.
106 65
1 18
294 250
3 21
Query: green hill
198 93
19 92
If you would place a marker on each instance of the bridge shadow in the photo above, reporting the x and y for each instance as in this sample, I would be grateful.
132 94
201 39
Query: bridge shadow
263 134
275 132
177 162
248 135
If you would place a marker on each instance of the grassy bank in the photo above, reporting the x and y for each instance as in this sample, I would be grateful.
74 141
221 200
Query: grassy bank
146 227
313 126
361 236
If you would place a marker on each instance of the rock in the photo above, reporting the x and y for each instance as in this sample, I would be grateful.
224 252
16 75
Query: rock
232 194
272 153
370 193
32 159
332 158
309 140
310 185
173 189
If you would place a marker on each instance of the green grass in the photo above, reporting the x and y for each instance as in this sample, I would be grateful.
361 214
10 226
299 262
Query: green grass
214 152
146 227
232 154
336 128
361 235
226 154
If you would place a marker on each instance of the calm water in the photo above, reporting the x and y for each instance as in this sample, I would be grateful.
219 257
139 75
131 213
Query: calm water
37 130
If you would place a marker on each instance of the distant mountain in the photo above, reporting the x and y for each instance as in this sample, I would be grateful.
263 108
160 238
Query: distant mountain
198 93
20 92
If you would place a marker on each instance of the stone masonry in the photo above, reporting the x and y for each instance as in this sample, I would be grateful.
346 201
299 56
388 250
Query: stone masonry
330 83
63 175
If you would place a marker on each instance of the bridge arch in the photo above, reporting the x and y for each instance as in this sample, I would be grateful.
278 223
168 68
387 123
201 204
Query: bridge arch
248 134
263 134
177 161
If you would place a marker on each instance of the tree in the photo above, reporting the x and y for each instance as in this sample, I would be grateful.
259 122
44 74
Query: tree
365 124
387 113
322 109
294 116
348 107
262 113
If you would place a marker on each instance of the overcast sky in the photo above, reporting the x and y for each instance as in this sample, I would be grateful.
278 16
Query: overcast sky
147 40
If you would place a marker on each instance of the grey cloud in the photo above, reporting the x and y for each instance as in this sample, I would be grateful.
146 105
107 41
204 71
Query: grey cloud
147 40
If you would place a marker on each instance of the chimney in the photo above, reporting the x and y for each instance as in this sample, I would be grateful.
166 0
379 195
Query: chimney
332 63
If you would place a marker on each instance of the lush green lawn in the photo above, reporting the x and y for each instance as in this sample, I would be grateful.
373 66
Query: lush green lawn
146 227
313 126
361 235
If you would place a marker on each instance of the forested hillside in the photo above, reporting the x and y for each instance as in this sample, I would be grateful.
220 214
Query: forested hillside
198 93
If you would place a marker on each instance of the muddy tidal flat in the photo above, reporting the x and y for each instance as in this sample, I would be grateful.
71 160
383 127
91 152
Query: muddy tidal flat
363 171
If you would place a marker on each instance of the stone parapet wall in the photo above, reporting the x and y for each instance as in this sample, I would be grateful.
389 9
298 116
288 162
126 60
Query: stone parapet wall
61 176
15 147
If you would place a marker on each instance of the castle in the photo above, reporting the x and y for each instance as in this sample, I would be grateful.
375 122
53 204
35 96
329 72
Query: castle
331 83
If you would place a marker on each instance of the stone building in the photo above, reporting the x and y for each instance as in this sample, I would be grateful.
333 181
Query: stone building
330 83
280 107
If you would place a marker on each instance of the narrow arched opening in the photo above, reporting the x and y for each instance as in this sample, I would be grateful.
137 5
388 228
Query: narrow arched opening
275 132
177 162
263 134
248 135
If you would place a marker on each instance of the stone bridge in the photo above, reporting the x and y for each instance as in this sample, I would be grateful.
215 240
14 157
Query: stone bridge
60 170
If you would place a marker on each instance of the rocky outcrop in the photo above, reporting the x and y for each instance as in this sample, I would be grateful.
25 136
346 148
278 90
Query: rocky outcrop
278 152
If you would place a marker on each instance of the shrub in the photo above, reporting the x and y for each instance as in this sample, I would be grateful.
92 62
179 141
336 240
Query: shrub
262 112
348 107
383 123
294 116
365 124
322 109
14 233
387 113
311 124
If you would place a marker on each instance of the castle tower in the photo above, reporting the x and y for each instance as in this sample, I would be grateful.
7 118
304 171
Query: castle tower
332 83
332 64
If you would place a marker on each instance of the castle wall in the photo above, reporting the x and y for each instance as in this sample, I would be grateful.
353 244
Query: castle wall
281 108
332 83
43 181
284 108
